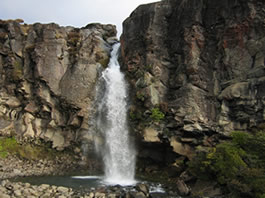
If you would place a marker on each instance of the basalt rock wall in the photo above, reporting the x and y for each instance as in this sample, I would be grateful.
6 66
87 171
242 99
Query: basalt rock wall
196 70
48 76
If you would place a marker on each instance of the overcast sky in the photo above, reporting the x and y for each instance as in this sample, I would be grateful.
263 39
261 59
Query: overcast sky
76 13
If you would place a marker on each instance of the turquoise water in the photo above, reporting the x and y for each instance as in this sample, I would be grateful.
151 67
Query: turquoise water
88 182
67 181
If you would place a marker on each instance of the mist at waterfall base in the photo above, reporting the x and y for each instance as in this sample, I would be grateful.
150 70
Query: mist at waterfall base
117 151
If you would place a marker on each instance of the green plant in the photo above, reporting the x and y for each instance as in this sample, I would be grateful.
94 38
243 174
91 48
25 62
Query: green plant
104 62
3 153
135 114
156 114
17 70
238 165
7 145
140 96
148 68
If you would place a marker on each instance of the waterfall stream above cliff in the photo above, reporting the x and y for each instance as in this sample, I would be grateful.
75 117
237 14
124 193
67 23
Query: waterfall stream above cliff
118 152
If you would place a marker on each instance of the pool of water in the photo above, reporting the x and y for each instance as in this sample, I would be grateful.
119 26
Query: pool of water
87 183
67 181
83 182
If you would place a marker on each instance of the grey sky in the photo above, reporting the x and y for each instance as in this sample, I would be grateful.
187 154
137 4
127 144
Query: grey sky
76 13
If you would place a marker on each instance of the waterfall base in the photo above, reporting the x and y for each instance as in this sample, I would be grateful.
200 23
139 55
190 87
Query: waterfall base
83 185
119 181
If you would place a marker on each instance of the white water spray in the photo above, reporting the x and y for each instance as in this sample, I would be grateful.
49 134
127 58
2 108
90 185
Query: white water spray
118 154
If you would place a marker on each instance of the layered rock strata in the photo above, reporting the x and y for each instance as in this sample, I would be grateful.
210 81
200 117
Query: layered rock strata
198 63
48 76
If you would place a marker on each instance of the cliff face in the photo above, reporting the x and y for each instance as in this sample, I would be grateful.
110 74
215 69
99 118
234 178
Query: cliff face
48 75
199 63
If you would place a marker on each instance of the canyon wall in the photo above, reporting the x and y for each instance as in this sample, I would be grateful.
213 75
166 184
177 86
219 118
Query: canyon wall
196 70
48 77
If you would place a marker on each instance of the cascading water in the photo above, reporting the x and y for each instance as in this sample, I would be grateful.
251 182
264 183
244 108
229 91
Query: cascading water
118 152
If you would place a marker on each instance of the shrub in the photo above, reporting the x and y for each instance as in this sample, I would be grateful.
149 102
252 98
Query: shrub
140 96
17 70
238 165
156 114
7 145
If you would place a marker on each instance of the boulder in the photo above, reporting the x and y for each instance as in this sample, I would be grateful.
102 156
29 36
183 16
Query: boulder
151 135
137 195
143 188
182 188
182 148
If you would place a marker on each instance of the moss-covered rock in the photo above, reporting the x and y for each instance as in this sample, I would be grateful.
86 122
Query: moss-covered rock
17 72
27 151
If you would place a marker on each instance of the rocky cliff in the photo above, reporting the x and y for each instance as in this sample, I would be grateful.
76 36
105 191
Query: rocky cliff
196 70
48 75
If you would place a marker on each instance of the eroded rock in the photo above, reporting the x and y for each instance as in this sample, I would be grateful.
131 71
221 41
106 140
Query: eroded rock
48 76
203 70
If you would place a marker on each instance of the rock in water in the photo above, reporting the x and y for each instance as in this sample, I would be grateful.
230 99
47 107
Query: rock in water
143 188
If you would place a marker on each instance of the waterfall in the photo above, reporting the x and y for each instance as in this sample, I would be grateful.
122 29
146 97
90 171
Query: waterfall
118 152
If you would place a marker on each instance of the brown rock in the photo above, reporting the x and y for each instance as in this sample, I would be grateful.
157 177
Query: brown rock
200 60
31 107
183 189
143 188
51 72
151 135
182 149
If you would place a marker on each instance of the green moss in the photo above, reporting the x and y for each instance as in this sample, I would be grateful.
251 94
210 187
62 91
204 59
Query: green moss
135 115
9 146
140 96
104 62
17 70
238 165
32 152
148 68
132 115
3 153
157 115
3 36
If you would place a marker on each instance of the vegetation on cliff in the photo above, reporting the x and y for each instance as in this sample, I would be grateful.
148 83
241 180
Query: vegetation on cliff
27 151
238 165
